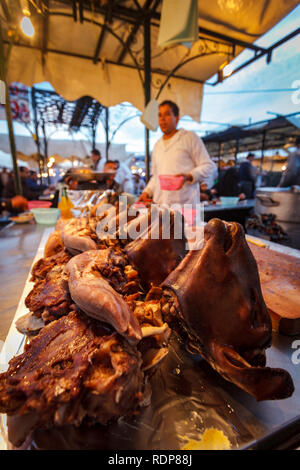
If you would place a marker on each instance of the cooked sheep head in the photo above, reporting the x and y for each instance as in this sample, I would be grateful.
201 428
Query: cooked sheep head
216 298
157 251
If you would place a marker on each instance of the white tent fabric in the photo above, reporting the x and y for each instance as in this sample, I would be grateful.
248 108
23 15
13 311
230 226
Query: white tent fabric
64 148
111 83
184 25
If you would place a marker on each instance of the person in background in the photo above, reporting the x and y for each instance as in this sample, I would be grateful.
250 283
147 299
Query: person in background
69 180
291 176
178 152
32 182
228 185
13 205
124 177
205 193
110 167
97 161
4 177
138 184
247 174
10 191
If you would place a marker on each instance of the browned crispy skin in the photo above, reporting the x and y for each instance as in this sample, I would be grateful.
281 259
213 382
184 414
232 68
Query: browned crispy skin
216 299
51 293
45 264
54 244
74 369
155 254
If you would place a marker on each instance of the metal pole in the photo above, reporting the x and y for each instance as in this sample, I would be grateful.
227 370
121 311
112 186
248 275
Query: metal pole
106 132
46 151
36 136
219 157
262 151
237 145
13 151
147 86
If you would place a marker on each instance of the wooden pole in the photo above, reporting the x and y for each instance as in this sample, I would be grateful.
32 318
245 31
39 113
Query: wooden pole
147 80
36 135
237 147
46 151
262 150
106 132
13 151
219 157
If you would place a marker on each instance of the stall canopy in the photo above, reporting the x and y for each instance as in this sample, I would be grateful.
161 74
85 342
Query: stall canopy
273 134
61 149
109 49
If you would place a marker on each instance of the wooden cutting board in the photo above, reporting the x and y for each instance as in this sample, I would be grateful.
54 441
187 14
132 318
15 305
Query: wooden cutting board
280 281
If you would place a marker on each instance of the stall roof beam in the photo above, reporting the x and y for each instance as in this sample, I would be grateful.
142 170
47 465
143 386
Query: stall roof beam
45 29
264 52
135 29
107 19
82 56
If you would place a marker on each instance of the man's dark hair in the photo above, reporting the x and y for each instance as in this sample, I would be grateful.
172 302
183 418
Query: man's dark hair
22 168
173 106
250 155
96 152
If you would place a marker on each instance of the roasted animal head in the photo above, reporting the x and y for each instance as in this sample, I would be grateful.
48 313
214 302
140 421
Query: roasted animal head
216 299
159 248
75 369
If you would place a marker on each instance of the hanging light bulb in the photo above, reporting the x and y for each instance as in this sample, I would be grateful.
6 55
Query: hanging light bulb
227 70
26 25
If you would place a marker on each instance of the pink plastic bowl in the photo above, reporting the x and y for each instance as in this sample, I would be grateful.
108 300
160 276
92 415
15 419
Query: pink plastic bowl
170 182
39 204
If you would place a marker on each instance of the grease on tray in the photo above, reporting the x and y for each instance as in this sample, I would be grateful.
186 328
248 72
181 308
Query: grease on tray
212 439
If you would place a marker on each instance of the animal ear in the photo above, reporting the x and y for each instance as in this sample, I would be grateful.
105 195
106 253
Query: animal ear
264 383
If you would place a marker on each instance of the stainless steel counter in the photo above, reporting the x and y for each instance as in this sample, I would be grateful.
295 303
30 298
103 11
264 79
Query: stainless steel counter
18 246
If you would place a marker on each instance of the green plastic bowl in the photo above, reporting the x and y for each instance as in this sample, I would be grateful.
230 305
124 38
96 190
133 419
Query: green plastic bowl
46 216
229 201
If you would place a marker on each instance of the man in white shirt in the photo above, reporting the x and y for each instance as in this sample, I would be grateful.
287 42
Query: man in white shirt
177 152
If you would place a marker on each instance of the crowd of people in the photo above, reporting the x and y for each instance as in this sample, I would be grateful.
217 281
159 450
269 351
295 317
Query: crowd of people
119 179
234 181
31 189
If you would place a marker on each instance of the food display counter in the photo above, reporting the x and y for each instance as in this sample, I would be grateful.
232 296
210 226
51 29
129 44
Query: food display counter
188 396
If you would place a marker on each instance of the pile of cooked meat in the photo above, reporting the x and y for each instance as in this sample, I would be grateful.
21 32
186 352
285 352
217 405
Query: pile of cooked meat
102 309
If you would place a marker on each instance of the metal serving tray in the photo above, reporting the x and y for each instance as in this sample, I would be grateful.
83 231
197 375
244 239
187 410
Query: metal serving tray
188 397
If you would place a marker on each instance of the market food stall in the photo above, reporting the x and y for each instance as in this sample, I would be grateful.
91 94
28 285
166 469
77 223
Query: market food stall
114 50
229 400
188 396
